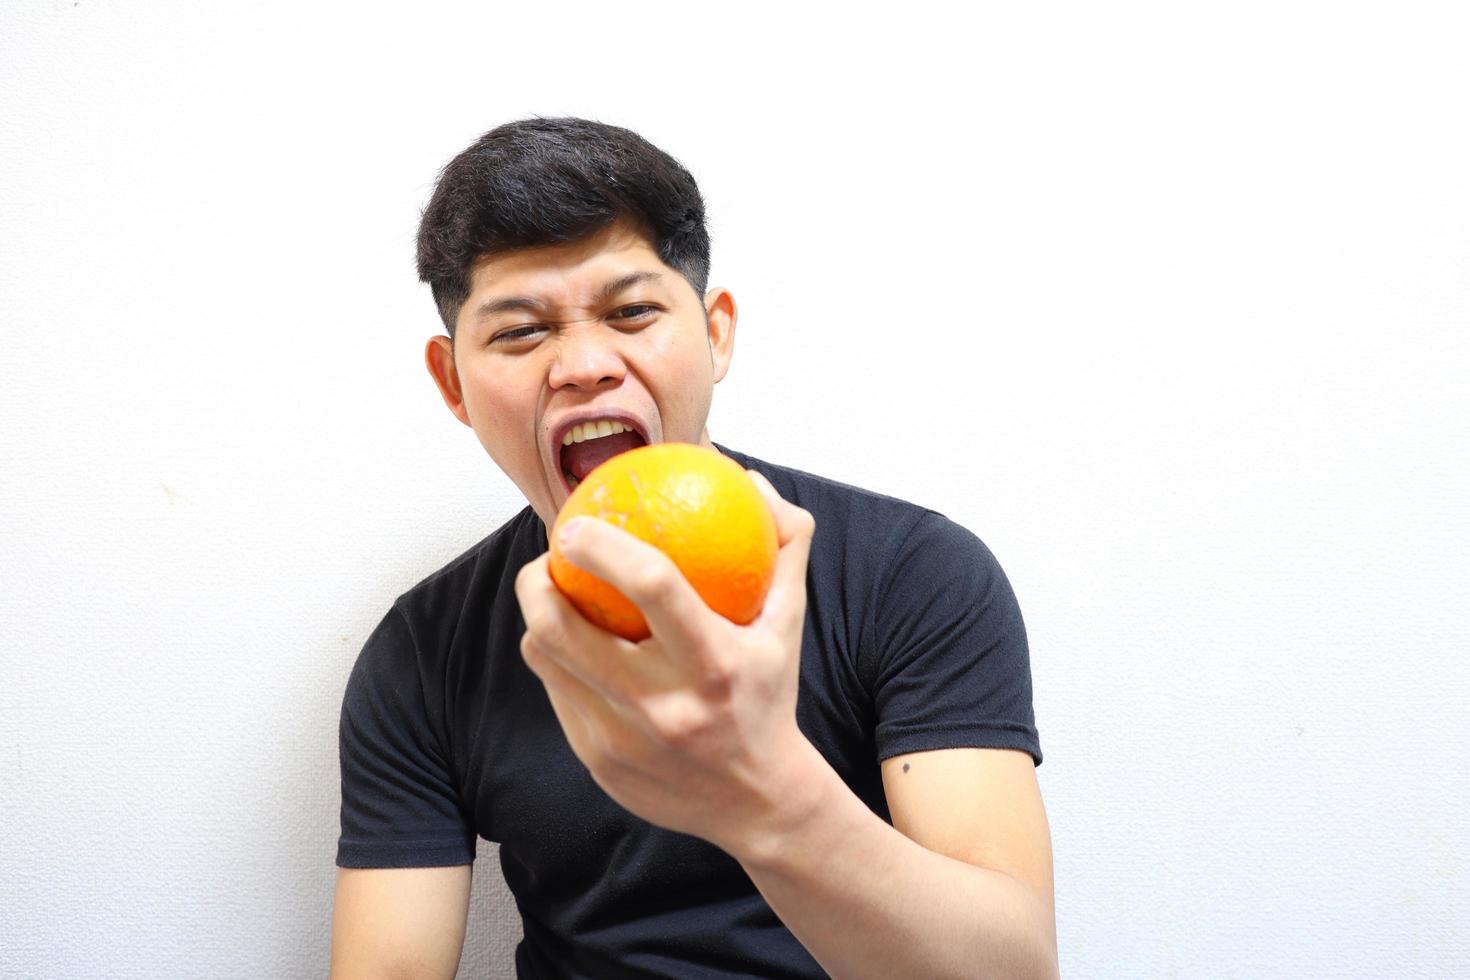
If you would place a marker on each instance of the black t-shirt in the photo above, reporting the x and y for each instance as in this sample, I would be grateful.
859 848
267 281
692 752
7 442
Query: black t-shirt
913 641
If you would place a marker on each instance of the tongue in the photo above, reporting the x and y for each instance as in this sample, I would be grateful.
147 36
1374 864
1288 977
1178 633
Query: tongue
581 458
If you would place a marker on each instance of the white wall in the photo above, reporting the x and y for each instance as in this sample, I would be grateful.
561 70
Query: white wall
1169 308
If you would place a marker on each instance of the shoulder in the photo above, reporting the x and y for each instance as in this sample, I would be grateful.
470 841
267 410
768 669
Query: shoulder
447 614
881 528
809 491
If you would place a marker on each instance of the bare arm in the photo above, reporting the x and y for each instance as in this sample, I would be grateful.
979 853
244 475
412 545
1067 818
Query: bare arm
960 886
695 730
399 923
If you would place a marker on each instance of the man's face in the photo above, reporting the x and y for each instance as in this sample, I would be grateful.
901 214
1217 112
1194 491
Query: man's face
555 337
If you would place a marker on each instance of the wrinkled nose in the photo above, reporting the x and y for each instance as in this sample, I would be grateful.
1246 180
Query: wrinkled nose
587 358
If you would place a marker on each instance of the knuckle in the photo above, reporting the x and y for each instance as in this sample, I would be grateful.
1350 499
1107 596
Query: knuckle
546 632
535 618
653 585
806 524
526 585
718 681
531 654
678 723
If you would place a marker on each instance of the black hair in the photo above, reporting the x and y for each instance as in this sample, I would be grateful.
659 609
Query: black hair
546 181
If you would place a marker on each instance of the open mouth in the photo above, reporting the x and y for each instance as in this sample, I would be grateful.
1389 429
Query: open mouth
587 445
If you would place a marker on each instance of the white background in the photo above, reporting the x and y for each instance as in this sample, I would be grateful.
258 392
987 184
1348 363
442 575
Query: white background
1170 308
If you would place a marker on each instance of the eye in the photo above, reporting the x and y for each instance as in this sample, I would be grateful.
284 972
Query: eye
635 313
516 334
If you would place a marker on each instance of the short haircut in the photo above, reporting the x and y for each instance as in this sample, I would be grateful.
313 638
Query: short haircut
547 181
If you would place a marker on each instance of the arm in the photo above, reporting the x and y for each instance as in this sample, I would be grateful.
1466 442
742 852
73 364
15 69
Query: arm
392 923
405 852
960 886
694 729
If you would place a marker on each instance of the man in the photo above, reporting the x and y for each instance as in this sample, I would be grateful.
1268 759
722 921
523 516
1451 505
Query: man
845 786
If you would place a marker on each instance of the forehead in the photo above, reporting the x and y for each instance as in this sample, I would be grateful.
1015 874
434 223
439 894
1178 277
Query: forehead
566 273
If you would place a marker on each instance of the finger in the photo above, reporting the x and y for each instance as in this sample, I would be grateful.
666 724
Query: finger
599 731
597 658
795 527
789 520
676 614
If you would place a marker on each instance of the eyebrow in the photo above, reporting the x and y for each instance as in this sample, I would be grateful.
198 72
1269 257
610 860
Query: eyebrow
530 304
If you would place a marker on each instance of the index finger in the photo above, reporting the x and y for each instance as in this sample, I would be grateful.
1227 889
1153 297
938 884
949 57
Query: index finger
645 575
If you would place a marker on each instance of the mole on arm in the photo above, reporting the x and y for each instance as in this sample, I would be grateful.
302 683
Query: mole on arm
905 767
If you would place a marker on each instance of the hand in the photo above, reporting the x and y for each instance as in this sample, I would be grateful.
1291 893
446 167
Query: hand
694 728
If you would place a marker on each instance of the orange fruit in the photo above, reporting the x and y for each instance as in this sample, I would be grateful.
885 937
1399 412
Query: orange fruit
696 505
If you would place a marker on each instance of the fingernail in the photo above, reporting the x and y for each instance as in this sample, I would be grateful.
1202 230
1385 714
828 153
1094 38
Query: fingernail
568 532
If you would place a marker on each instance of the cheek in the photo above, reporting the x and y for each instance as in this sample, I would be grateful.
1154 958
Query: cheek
503 403
682 373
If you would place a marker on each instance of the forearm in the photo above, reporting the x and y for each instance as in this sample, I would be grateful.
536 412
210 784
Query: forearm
867 901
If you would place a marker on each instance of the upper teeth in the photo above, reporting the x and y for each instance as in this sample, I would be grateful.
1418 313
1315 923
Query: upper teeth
583 431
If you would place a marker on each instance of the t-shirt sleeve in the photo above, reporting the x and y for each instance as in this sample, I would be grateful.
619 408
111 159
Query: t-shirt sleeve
400 808
953 665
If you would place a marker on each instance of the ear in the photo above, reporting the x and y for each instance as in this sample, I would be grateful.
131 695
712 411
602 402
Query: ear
439 356
720 312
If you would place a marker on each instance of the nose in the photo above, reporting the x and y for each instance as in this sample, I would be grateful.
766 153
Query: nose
587 358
